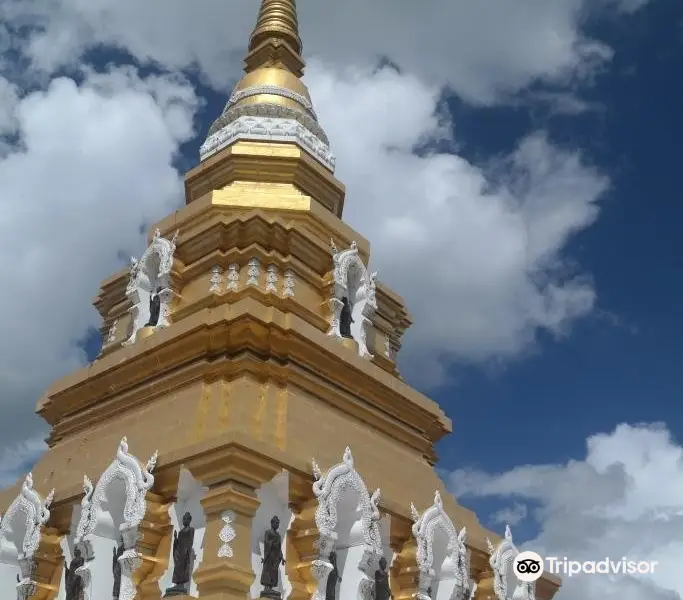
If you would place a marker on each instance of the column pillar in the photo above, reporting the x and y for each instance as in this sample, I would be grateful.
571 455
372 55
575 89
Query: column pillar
485 586
154 547
228 578
405 575
48 565
301 539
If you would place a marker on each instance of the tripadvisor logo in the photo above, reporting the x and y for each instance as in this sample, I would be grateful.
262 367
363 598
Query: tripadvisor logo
529 566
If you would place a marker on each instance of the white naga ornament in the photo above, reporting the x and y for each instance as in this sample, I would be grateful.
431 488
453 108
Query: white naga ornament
271 279
233 277
138 480
226 535
147 275
30 513
288 284
216 279
424 528
254 271
328 489
501 561
353 281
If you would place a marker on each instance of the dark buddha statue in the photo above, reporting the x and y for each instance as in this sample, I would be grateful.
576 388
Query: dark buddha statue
332 579
345 319
154 308
73 584
183 558
271 561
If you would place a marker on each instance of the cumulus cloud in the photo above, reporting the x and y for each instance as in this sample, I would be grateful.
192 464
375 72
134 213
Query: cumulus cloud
625 498
94 162
19 458
483 50
511 515
476 252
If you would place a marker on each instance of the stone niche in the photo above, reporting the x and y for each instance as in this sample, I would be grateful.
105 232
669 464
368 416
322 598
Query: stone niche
150 276
443 559
20 531
108 517
354 284
350 526
273 497
188 499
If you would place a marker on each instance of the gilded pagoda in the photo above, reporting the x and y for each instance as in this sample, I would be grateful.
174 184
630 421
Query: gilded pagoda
245 432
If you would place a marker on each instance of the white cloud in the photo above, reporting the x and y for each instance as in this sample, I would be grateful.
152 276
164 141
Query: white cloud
477 256
511 515
93 164
9 99
484 50
15 460
625 498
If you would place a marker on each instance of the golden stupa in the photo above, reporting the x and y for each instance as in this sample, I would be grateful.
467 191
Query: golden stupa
250 354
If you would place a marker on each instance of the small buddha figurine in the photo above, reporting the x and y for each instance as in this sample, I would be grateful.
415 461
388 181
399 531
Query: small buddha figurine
73 583
382 589
332 578
271 561
116 569
345 319
183 558
154 308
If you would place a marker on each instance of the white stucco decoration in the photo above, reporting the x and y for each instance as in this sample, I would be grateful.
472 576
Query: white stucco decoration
151 272
22 523
268 129
352 280
253 271
111 334
233 277
328 489
424 528
288 284
501 561
216 279
272 277
227 534
137 480
465 586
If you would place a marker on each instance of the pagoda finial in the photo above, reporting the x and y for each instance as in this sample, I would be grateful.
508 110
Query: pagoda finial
277 26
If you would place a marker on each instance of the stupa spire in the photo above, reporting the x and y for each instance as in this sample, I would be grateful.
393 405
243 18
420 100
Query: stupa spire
275 40
271 102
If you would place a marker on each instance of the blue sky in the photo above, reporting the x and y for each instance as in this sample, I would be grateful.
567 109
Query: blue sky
623 363
527 387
